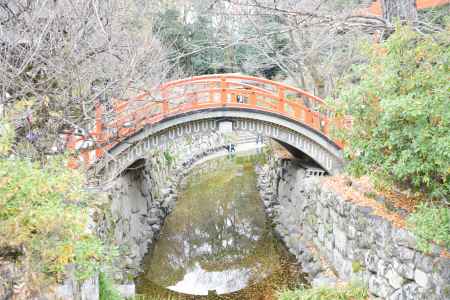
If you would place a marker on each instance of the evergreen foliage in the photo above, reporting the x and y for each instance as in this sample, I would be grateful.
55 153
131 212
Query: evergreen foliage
200 47
431 224
107 289
400 111
43 216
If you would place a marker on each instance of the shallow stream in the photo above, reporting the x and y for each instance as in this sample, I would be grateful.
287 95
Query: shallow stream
218 241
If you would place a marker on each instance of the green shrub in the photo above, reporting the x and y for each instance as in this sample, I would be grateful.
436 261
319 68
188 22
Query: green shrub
399 104
6 137
350 292
357 266
44 215
107 290
430 224
169 158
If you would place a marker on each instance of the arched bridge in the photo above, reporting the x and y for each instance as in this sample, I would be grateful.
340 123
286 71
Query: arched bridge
208 103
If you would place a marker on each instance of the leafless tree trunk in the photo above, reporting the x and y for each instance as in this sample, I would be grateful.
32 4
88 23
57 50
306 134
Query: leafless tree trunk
320 37
58 58
404 10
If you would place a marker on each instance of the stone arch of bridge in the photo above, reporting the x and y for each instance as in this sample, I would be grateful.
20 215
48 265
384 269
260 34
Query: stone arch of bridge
161 135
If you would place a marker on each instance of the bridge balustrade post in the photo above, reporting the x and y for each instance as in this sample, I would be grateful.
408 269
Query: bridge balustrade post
98 130
194 99
165 102
308 116
324 125
253 98
211 86
223 87
281 99
297 111
316 121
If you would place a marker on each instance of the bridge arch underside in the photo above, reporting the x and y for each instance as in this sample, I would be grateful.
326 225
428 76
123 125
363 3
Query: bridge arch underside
160 136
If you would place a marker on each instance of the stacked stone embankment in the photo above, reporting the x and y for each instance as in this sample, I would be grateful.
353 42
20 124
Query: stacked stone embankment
328 233
143 195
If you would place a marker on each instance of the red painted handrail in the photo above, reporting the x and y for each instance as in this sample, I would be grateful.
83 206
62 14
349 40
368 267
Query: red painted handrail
200 92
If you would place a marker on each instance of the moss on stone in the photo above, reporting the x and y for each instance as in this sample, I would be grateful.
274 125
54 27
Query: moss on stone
357 266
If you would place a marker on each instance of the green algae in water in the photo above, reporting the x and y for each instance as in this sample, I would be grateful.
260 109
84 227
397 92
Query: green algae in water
218 240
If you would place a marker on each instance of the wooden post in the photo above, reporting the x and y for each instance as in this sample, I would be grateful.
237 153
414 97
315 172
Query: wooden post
223 87
308 117
281 100
194 100
98 130
165 102
211 94
253 99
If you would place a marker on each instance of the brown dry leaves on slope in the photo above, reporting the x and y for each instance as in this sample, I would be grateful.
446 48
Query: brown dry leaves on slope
340 184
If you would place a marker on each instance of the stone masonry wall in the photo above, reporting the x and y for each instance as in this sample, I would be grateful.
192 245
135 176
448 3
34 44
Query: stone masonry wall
143 195
353 241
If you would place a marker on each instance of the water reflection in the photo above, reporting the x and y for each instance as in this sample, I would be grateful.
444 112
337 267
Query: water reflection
217 238
198 281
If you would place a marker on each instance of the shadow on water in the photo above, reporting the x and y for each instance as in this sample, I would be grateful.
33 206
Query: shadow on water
218 241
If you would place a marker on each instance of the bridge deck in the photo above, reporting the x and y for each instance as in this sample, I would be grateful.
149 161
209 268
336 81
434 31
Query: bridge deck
198 93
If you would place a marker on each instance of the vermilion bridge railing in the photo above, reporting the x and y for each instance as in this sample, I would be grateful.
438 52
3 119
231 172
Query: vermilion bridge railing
197 93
